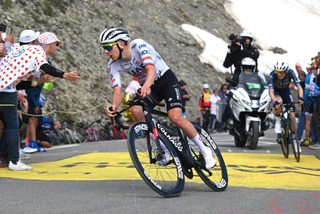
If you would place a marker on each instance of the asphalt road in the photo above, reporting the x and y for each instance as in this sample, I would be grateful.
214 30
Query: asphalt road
99 178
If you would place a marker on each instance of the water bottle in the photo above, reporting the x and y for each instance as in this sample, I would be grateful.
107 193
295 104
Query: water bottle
36 76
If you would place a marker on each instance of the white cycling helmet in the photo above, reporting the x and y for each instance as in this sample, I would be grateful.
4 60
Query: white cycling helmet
281 65
113 34
205 86
246 33
248 63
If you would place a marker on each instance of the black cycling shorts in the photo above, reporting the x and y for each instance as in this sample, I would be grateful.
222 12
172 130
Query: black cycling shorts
286 98
167 88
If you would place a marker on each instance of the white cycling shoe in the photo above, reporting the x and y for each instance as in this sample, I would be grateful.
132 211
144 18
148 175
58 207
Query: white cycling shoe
209 158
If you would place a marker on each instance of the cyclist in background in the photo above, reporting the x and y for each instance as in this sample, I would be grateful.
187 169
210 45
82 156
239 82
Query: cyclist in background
142 61
279 91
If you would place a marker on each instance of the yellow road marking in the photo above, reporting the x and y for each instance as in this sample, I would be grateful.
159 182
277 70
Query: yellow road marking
269 171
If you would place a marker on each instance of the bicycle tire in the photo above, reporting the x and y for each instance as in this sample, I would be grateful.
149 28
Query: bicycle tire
166 180
284 143
100 137
68 137
294 141
60 136
86 136
105 134
80 138
218 180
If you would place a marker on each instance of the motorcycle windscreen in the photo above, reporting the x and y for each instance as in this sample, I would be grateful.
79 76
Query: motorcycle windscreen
252 83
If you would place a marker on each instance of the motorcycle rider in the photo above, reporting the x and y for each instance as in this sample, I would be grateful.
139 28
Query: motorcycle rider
237 51
248 65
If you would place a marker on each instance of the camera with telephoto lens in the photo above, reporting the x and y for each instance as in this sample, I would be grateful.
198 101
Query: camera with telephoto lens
234 40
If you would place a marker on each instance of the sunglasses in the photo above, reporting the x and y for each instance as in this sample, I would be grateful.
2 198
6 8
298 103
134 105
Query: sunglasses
57 44
109 47
280 72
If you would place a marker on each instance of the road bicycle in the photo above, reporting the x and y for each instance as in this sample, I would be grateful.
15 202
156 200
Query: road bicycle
167 178
105 132
116 131
72 135
90 133
287 136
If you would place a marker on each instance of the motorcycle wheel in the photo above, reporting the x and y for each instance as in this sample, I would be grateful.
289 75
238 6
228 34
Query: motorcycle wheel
253 136
238 142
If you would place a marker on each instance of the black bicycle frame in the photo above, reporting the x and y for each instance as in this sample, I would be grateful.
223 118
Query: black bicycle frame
156 126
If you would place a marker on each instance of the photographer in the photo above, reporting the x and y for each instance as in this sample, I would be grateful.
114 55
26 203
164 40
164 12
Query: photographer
238 49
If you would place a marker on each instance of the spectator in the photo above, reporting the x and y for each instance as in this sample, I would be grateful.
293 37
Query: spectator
222 92
8 94
301 124
7 40
184 97
3 51
205 106
44 124
213 99
314 83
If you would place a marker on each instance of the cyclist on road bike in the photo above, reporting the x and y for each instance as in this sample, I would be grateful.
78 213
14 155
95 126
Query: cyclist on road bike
142 61
279 80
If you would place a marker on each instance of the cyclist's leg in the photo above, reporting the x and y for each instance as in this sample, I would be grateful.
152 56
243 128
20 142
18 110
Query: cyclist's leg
170 92
278 96
287 98
277 112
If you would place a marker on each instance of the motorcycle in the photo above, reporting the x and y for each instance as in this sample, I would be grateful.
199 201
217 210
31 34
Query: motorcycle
249 105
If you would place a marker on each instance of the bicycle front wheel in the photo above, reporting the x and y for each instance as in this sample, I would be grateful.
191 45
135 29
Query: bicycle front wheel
165 179
294 139
217 177
283 139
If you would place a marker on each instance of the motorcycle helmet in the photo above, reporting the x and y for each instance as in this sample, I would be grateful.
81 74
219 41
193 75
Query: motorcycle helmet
281 65
205 86
248 63
247 34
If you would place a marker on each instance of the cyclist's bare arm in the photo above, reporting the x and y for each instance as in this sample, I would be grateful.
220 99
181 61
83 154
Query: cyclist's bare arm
116 102
271 94
151 75
300 90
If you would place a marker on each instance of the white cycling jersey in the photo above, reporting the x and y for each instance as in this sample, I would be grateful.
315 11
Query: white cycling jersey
142 54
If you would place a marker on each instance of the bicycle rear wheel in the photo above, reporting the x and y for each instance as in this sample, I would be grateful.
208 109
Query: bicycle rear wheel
105 134
283 139
165 179
79 137
217 177
294 139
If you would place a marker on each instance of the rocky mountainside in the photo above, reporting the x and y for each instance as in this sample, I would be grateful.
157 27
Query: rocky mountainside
79 23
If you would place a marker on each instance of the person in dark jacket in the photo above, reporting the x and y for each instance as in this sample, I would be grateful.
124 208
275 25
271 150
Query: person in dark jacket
238 51
184 96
